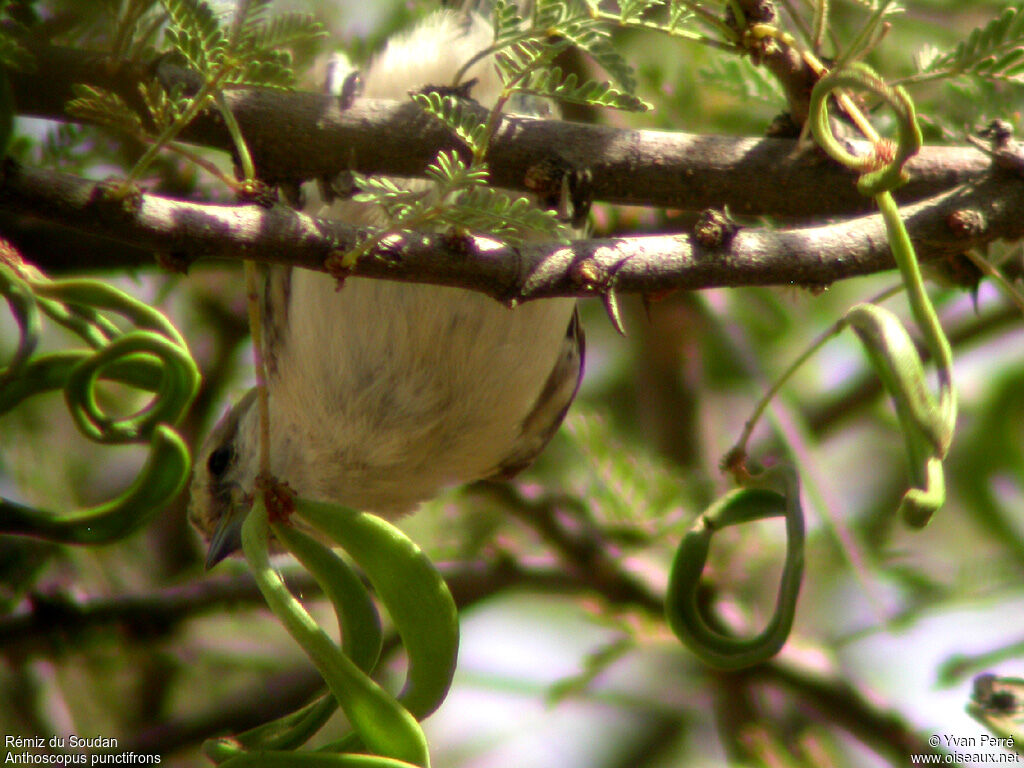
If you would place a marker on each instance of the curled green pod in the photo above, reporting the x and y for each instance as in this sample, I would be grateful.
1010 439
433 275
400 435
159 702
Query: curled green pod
50 372
301 726
358 620
682 608
94 294
361 636
925 424
875 178
924 500
85 322
383 725
44 374
178 385
290 731
154 359
26 314
409 586
895 358
160 480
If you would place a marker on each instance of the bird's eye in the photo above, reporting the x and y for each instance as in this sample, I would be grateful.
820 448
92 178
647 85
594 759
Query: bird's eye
219 460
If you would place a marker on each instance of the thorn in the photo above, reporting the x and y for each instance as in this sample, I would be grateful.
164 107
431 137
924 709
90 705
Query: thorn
610 300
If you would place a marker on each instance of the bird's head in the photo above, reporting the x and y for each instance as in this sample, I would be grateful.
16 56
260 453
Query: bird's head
223 479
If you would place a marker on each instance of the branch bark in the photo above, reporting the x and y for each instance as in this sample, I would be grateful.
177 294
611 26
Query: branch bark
966 217
299 135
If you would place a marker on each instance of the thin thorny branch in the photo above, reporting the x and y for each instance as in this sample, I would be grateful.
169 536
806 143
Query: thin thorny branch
300 135
966 217
653 168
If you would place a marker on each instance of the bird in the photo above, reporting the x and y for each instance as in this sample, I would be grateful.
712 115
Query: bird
383 393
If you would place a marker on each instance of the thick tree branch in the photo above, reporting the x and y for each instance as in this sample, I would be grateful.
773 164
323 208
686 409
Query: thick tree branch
299 135
966 217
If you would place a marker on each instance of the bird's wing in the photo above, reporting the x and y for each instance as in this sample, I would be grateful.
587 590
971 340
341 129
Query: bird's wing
554 400
276 298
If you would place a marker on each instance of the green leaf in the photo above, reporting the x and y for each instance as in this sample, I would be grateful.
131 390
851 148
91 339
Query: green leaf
398 204
271 71
634 10
97 105
382 723
506 21
991 51
553 84
449 170
465 123
595 40
285 29
491 211
740 77
195 33
516 60
250 16
411 589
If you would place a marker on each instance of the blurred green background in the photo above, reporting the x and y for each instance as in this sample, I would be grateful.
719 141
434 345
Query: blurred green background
134 641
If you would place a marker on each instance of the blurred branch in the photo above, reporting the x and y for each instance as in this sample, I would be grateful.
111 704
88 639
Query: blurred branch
272 696
295 136
835 701
559 520
49 620
812 256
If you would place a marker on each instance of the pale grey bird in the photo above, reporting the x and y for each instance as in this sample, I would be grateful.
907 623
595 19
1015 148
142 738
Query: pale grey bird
383 393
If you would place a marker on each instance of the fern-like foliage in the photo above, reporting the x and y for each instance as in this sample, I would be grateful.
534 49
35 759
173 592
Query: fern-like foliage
464 123
887 7
553 83
631 11
451 173
399 205
460 199
506 21
251 51
596 41
479 208
222 51
102 107
740 77
994 51
165 107
485 209
522 49
195 33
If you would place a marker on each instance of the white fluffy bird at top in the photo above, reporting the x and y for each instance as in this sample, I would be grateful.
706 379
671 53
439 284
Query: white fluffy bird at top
383 393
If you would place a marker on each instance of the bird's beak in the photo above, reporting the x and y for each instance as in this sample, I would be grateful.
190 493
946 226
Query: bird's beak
228 536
